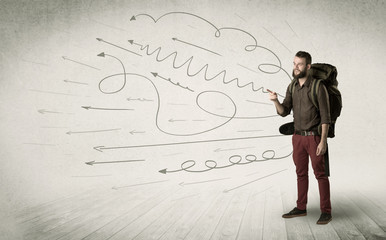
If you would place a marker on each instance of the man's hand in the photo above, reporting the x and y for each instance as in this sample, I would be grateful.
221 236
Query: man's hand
322 147
272 95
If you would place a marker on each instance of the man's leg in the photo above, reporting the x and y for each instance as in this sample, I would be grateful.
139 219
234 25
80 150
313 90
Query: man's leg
300 157
320 174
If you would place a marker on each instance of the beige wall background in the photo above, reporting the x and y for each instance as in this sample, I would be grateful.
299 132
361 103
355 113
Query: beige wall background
50 69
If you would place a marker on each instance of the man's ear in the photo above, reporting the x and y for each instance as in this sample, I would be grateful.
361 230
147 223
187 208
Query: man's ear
308 66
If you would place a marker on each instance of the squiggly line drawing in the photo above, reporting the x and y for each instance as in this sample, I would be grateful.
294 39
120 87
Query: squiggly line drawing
229 117
223 72
169 80
204 69
211 164
159 104
124 75
218 34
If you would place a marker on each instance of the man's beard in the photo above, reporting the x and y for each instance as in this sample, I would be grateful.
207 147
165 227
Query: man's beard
302 74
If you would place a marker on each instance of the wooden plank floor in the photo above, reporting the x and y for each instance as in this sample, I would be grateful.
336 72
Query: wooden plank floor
205 211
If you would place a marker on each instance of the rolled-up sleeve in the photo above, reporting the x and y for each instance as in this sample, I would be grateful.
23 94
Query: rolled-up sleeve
324 105
287 103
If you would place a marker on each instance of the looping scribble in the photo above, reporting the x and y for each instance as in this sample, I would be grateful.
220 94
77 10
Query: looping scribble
267 155
159 104
124 77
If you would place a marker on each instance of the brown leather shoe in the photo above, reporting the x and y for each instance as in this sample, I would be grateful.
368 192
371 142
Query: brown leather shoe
296 212
324 218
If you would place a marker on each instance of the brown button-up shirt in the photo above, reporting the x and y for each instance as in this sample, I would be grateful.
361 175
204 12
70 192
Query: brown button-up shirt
306 116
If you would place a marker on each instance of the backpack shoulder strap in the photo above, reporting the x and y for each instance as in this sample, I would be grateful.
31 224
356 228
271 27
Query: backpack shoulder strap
292 86
314 92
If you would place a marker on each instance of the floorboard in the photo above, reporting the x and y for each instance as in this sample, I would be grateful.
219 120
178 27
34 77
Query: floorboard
203 211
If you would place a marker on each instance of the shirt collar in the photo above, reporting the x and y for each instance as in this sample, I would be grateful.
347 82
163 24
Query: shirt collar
308 81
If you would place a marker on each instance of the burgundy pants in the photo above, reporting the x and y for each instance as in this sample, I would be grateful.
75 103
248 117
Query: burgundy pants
303 148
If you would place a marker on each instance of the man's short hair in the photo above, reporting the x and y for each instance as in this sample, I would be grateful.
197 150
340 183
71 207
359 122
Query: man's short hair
306 55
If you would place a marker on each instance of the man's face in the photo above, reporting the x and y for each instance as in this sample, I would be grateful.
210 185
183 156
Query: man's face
300 68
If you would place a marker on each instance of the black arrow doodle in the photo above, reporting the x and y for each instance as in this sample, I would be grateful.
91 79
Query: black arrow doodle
56 93
178 40
92 176
169 80
112 109
134 43
43 111
139 184
158 99
157 75
41 144
230 149
177 120
101 40
248 68
218 30
250 130
135 132
278 40
83 64
133 18
100 148
68 81
192 183
259 102
211 164
222 74
228 190
102 54
94 131
139 99
123 161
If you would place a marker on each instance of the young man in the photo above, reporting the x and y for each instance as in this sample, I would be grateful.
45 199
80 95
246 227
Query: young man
306 141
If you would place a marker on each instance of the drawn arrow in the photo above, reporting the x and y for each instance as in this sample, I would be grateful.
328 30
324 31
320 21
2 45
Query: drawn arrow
123 161
140 184
100 148
133 18
101 40
65 58
164 171
68 81
105 175
40 144
228 190
106 130
134 43
250 130
214 180
97 148
169 80
259 102
43 111
124 73
135 132
178 40
252 70
230 149
114 109
56 93
157 75
277 39
139 99
176 120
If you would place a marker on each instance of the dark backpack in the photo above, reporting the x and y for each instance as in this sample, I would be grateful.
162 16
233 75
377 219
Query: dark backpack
324 74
